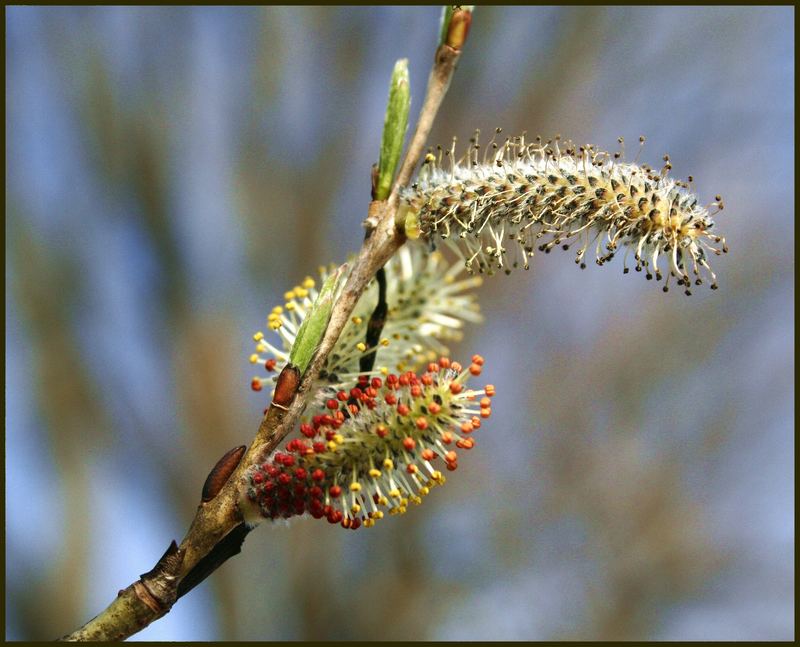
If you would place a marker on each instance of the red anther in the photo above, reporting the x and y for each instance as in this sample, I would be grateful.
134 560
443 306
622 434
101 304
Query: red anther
332 404
475 369
434 408
403 380
447 437
465 443
363 380
341 396
390 399
307 430
376 383
456 367
258 477
300 474
299 490
271 470
338 515
444 362
354 409
485 402
451 457
455 388
466 427
355 525
279 458
256 384
477 359
317 420
489 388
316 493
411 468
269 486
318 475
270 364
371 404
427 379
356 393
335 491
403 409
332 518
346 523
427 454
327 510
391 379
382 431
485 413
409 443
371 392
329 434
319 448
433 367
317 514
476 422
284 478
416 391
288 461
338 423
422 423
452 467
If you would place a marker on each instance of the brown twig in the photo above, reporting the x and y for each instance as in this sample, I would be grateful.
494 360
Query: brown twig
205 548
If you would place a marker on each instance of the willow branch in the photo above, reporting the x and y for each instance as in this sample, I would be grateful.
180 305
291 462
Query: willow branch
204 548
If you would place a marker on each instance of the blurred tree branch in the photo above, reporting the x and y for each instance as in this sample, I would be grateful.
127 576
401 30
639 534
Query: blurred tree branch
217 531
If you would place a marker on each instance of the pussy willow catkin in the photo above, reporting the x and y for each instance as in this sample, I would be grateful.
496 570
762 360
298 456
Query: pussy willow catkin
428 300
379 446
498 207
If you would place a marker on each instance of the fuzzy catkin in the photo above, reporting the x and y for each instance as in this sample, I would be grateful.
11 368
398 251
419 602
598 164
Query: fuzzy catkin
521 197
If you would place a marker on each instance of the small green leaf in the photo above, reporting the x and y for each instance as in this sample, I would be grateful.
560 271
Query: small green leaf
394 129
314 325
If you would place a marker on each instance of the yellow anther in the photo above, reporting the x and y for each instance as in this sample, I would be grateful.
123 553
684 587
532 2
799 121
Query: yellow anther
416 500
290 305
288 296
388 463
261 348
355 508
361 346
395 494
374 473
403 502
331 445
430 158
383 501
379 514
384 342
357 321
308 283
274 325
338 438
384 370
301 293
273 317
425 490
355 487
401 366
258 336
401 509
253 358
277 310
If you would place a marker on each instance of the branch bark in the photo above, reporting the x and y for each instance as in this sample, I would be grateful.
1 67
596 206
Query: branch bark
205 547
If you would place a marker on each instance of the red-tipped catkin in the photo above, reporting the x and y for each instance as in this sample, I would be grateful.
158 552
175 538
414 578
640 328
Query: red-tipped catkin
371 453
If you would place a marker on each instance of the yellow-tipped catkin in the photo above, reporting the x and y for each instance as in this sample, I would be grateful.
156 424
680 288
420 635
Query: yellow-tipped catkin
496 208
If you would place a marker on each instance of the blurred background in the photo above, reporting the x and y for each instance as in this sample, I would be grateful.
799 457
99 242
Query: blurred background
172 171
